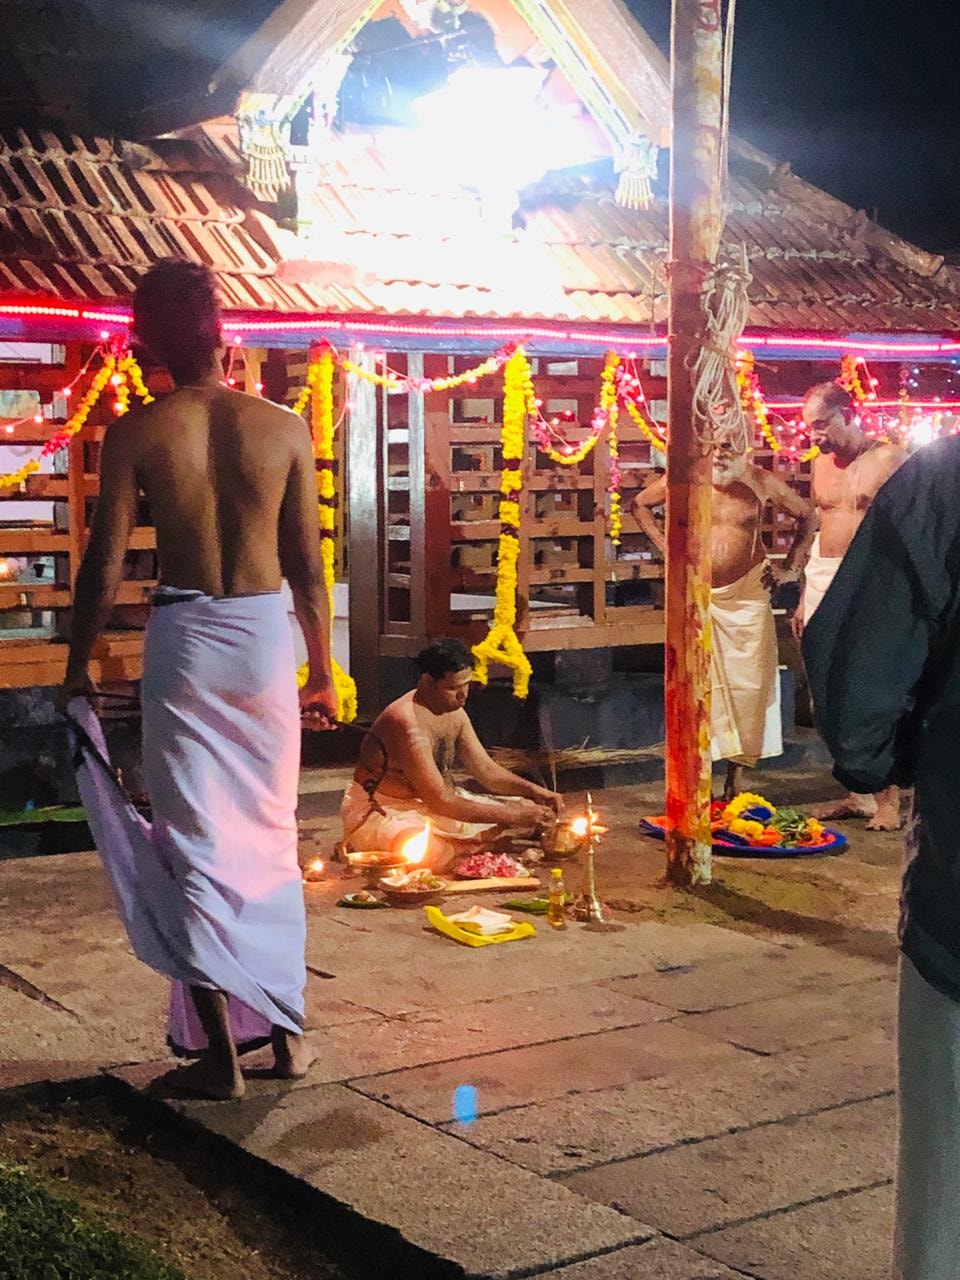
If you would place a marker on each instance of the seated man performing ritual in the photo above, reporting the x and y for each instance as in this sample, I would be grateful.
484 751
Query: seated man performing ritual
744 656
403 776
847 476
210 892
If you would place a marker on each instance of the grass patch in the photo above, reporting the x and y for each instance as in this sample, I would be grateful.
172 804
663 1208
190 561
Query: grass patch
46 1236
38 817
81 1173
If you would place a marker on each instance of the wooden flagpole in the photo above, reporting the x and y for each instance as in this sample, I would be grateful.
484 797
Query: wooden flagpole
695 220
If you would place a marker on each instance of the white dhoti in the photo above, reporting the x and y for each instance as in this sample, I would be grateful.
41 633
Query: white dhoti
211 892
745 720
817 577
384 822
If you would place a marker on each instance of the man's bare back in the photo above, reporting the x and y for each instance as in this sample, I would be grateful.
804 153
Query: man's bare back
401 729
843 491
214 466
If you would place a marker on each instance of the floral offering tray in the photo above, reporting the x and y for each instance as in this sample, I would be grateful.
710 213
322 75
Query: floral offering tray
751 827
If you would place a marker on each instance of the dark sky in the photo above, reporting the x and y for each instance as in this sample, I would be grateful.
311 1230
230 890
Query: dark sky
861 96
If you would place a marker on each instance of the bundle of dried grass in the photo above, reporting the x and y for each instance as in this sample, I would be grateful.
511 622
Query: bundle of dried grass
573 757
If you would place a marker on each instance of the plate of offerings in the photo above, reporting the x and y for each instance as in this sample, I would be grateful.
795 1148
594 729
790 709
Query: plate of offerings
751 827
376 863
412 888
478 872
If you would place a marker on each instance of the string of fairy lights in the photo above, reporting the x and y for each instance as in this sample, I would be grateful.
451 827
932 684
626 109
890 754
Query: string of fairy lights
906 418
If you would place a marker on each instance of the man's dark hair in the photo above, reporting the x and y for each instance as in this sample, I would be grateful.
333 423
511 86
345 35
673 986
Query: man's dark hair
176 315
836 399
443 658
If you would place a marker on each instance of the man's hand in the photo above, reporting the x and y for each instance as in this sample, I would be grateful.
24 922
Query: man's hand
777 575
551 799
319 704
527 813
75 685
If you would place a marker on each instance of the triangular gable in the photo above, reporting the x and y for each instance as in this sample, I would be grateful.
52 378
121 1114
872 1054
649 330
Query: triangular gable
613 66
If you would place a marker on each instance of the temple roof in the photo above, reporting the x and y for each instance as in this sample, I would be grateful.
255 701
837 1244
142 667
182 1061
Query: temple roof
83 218
83 215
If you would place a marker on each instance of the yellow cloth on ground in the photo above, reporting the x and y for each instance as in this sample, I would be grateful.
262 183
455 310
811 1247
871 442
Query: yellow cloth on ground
458 933
746 724
817 577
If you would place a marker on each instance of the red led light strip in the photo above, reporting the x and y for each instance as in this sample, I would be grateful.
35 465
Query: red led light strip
602 337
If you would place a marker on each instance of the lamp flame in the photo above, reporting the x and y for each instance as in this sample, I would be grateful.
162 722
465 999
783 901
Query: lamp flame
580 826
416 847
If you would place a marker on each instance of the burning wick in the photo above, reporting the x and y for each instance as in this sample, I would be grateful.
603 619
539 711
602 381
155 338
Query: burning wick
314 869
416 847
580 826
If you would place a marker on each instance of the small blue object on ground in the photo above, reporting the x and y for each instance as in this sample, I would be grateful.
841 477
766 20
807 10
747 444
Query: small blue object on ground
465 1104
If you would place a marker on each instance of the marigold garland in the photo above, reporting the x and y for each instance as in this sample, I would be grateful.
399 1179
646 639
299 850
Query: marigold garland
502 644
640 421
322 423
74 424
755 406
850 377
609 413
393 381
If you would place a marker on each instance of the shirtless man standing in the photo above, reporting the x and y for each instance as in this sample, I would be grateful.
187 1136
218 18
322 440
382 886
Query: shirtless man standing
403 776
744 659
231 486
847 476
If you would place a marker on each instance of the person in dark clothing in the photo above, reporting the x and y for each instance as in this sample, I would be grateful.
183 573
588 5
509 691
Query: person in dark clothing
883 658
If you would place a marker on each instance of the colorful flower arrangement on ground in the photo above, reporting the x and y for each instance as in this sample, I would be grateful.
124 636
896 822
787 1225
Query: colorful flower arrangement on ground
753 821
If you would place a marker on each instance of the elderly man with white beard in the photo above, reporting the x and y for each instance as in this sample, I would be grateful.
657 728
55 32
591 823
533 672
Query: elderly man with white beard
746 723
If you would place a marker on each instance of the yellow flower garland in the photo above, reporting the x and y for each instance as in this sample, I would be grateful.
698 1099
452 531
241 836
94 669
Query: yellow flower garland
850 378
609 407
640 421
320 383
398 382
74 424
755 405
502 644
746 800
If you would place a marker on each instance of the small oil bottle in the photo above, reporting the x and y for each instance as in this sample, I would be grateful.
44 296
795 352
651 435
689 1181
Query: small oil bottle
556 904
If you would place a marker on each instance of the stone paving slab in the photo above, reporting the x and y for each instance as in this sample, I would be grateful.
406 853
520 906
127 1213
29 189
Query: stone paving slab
519 1076
658 1259
572 1133
39 1071
724 984
804 1018
490 1218
844 1238
102 1031
723 1181
531 1017
397 966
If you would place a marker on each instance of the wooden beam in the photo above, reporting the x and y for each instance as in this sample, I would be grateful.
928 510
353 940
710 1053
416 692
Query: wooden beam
695 200
364 468
436 528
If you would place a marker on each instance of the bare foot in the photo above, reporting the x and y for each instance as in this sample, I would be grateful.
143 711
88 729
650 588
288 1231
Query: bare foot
207 1078
851 806
887 817
292 1055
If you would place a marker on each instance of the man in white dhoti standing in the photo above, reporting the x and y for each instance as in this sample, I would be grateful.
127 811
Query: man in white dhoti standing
846 477
745 715
211 893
